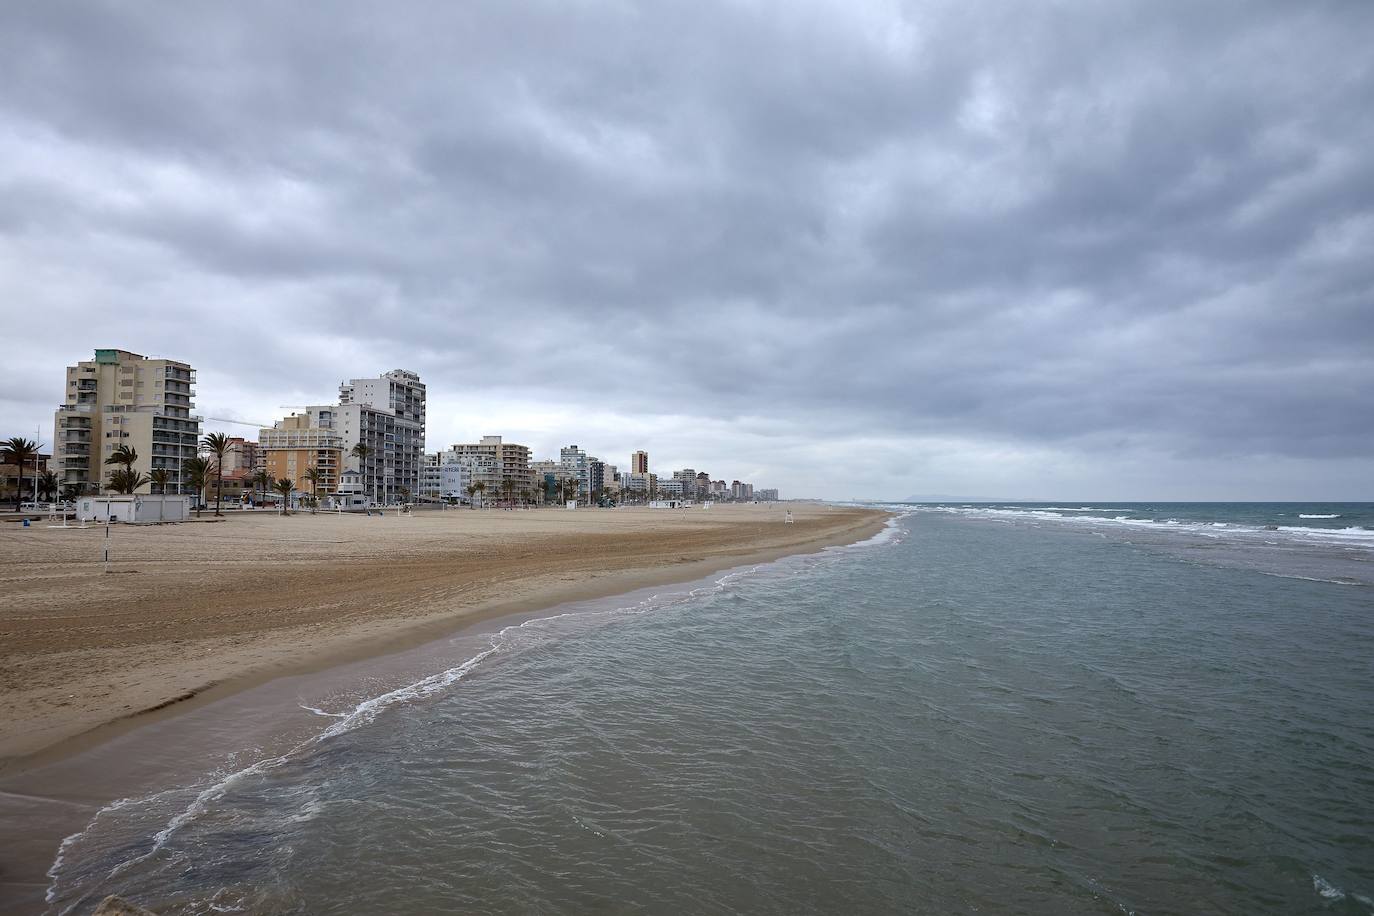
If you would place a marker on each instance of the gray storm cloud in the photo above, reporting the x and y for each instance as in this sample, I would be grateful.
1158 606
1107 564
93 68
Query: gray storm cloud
857 249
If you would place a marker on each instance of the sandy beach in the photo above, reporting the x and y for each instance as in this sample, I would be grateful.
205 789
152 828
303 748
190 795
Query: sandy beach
193 612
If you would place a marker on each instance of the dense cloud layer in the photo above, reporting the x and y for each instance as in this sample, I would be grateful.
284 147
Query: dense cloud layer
1074 249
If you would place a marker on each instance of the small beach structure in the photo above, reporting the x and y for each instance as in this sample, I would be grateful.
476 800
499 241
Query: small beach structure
139 508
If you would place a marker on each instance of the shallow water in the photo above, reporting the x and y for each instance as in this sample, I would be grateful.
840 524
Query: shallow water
964 717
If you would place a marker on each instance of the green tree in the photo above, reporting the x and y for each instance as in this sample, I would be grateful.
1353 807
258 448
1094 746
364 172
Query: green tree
198 471
218 444
314 475
284 486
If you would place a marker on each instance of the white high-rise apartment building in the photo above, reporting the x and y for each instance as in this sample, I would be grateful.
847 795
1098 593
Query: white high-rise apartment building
387 415
122 398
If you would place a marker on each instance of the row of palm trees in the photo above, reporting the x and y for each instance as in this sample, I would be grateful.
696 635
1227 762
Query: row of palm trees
199 471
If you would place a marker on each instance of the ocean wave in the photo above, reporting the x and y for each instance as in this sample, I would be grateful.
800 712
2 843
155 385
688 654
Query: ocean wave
1318 516
1067 509
1352 536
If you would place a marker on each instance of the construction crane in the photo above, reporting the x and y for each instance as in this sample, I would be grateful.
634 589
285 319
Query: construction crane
236 422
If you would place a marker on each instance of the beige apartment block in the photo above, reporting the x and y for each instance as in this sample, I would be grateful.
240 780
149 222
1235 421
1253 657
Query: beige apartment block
493 463
297 443
122 398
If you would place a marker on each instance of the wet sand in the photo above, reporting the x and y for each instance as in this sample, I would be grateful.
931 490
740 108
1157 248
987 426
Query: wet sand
200 610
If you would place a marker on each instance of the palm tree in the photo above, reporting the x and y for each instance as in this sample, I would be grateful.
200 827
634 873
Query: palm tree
48 486
508 488
362 453
160 478
124 455
263 480
198 472
472 491
127 481
314 475
285 486
19 451
218 444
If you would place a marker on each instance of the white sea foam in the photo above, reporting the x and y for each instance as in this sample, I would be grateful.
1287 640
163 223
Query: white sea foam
1328 890
1213 530
891 533
1318 516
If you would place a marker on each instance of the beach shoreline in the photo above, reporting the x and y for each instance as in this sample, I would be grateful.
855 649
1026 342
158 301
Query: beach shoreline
52 790
39 733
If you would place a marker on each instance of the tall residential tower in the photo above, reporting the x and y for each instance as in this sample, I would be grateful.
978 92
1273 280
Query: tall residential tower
122 398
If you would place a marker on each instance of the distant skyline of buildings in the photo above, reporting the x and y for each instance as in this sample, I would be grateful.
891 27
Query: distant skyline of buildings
370 446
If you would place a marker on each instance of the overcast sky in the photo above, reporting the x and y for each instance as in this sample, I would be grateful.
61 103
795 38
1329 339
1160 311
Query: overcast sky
1069 250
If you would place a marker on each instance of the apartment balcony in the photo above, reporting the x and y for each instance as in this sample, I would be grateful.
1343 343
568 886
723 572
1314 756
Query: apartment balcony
77 449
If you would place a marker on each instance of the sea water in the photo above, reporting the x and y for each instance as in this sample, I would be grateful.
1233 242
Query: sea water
996 709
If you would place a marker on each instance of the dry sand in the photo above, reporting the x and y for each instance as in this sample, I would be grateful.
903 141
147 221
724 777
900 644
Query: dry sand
188 613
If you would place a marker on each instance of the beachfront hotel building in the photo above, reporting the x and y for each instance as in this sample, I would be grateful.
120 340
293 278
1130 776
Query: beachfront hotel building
303 441
639 462
122 398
